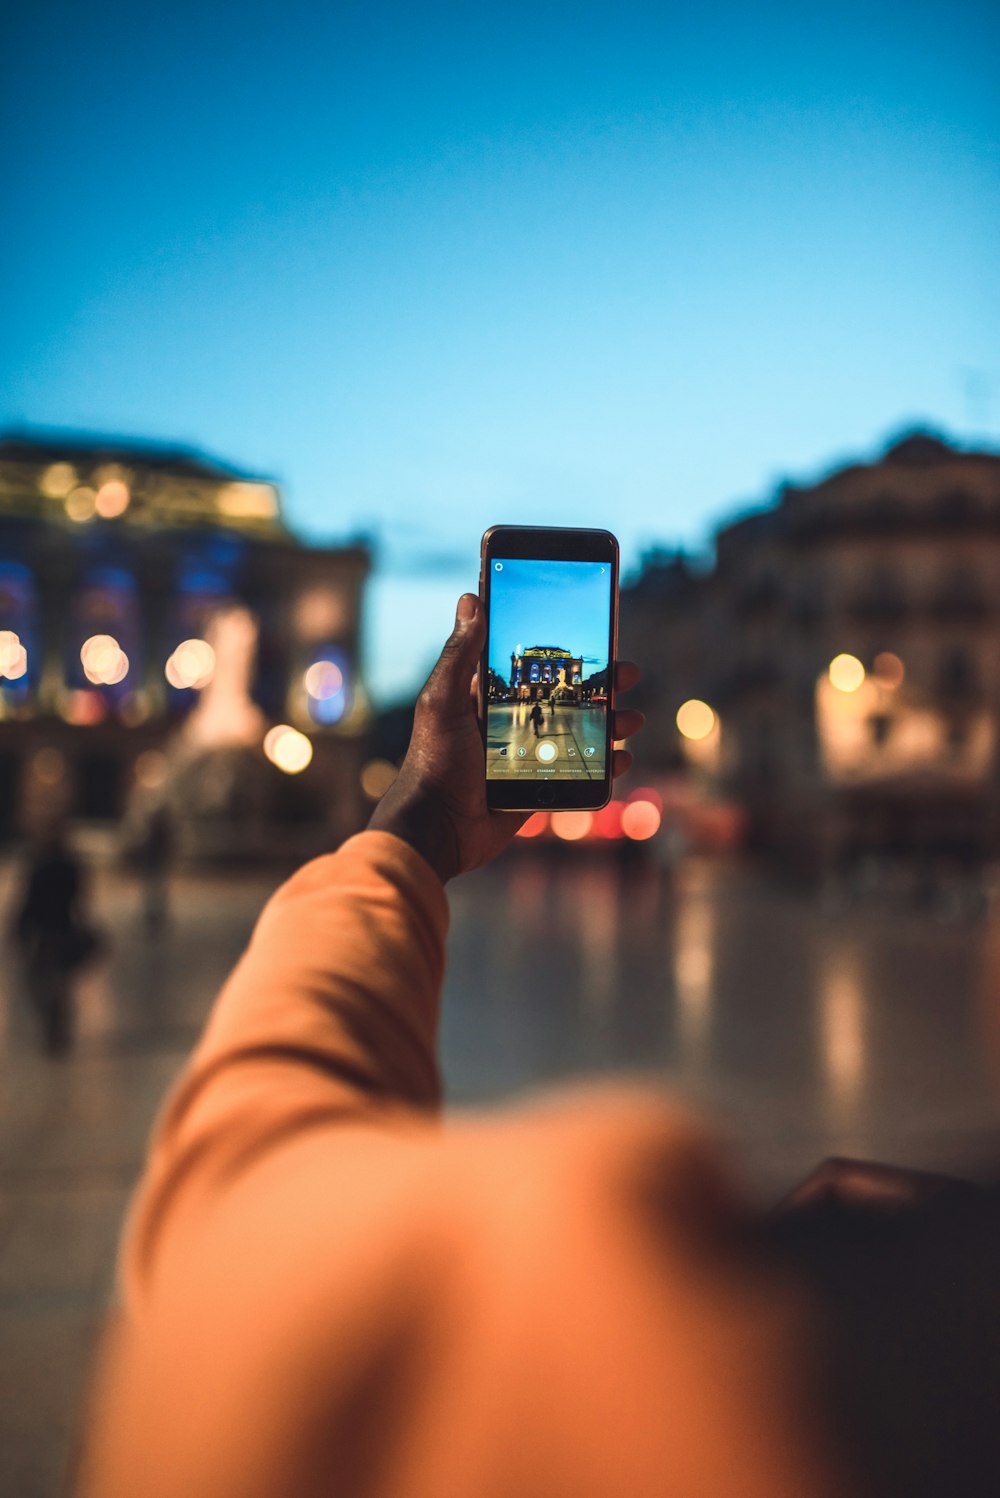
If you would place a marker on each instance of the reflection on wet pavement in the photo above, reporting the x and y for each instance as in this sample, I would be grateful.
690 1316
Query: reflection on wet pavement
799 1032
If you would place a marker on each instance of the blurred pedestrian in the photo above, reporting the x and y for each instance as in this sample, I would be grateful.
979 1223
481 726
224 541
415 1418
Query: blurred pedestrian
324 1292
536 717
52 931
150 854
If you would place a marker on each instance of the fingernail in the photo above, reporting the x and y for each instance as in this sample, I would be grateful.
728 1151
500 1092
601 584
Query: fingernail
468 607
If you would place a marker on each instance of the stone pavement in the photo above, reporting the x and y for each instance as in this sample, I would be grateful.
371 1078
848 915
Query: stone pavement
800 1032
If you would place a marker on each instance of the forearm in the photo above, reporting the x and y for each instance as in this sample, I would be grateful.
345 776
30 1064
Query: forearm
330 1014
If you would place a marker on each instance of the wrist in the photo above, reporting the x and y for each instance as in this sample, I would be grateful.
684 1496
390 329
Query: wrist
414 820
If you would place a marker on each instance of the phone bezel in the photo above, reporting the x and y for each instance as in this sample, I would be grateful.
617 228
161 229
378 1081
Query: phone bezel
550 543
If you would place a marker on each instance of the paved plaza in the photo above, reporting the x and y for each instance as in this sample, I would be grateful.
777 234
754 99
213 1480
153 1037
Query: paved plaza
799 1031
569 738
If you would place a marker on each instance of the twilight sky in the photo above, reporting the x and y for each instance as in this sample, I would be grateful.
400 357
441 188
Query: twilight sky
440 266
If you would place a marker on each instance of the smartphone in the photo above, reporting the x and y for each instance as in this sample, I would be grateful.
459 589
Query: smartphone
546 688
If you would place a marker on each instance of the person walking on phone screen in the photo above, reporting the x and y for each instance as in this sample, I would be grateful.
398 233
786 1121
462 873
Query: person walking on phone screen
536 717
326 1290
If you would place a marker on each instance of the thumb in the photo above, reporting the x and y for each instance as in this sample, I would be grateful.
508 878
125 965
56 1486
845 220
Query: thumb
447 689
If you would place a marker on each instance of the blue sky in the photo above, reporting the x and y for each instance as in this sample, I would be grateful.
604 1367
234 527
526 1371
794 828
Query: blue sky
550 603
439 267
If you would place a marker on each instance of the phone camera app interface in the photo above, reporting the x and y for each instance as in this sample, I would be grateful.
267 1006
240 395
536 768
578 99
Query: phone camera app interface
547 684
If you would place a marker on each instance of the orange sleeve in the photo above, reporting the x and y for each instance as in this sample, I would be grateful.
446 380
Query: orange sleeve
331 1014
327 1293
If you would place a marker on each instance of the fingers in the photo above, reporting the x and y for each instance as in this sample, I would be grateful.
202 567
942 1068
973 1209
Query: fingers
447 688
621 761
627 722
627 674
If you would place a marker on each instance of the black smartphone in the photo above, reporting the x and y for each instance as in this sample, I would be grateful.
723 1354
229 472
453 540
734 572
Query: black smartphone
546 680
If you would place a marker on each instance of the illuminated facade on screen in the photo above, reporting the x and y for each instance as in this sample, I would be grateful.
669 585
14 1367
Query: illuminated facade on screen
157 618
545 671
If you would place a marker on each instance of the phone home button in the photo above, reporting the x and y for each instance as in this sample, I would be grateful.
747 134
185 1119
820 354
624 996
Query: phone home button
546 795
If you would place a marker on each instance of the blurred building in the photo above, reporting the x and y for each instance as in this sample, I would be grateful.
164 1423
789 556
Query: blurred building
837 669
158 623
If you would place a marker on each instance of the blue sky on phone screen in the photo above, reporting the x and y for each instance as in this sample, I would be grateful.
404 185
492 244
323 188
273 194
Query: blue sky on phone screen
549 603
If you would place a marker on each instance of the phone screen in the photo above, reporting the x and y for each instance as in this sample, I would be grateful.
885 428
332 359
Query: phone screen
546 695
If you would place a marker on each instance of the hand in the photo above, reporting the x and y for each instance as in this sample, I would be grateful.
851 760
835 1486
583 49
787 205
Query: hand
437 803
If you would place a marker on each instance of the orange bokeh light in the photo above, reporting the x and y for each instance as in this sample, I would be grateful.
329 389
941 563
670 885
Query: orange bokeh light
640 820
888 670
608 821
571 826
83 708
112 499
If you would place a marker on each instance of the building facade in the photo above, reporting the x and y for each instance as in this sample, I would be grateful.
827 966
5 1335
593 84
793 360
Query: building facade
157 620
847 640
544 671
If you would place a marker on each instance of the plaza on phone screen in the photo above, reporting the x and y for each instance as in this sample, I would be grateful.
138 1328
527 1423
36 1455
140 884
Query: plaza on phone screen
546 691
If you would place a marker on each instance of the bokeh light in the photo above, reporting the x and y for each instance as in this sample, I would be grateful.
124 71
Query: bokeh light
120 671
81 504
13 656
104 661
846 673
376 778
83 707
112 499
695 719
571 826
608 821
323 680
57 480
888 670
192 664
326 681
287 748
640 820
646 793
